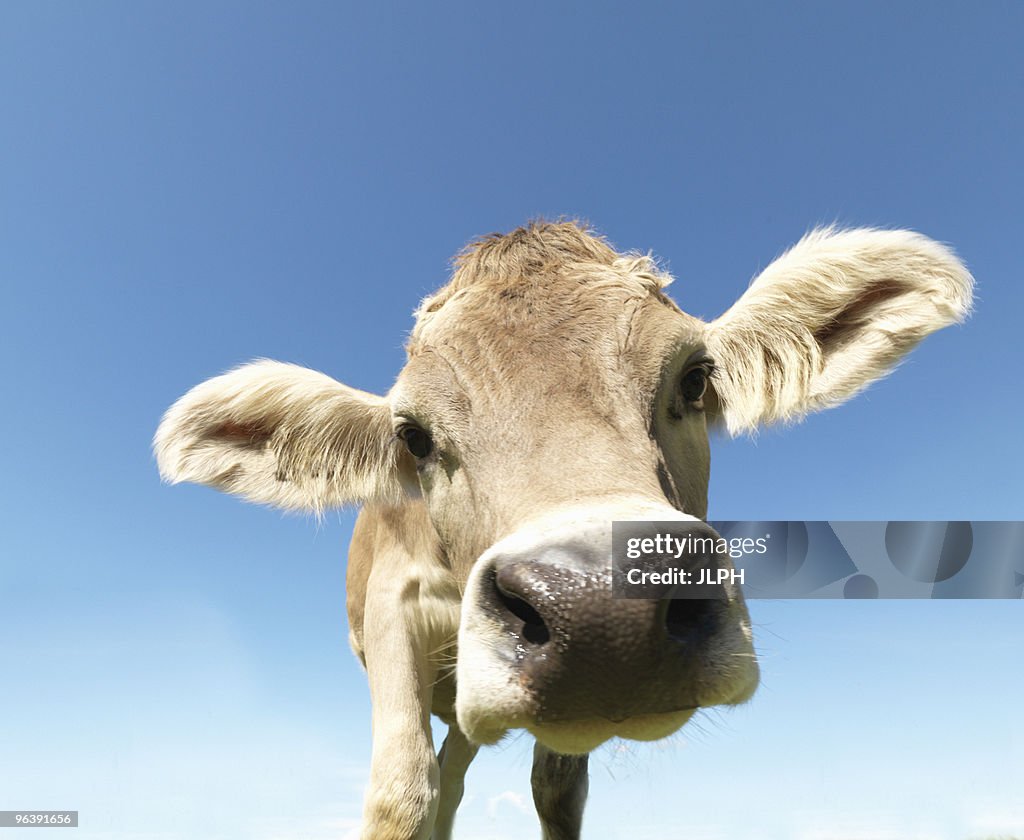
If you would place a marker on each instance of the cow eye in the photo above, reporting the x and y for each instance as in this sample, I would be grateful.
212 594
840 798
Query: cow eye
693 384
417 441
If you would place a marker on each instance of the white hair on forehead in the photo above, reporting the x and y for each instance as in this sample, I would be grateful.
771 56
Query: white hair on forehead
541 250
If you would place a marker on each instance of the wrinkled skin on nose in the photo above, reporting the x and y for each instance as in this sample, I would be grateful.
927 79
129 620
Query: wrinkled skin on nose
584 653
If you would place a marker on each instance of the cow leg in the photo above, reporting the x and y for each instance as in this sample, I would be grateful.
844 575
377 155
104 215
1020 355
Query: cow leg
402 796
455 757
560 785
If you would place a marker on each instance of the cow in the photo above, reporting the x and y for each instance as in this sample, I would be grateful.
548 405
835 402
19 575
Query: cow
551 388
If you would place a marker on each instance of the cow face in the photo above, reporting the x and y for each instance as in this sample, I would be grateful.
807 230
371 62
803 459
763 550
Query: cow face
552 388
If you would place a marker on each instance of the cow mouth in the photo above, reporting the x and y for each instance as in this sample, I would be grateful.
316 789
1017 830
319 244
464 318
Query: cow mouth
548 717
583 736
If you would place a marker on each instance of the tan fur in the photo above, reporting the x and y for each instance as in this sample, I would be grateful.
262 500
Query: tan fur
832 314
512 264
547 372
282 435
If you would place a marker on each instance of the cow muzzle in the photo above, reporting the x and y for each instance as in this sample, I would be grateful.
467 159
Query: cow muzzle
545 645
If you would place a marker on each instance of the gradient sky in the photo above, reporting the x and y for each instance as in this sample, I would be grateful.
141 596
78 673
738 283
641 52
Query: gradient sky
187 186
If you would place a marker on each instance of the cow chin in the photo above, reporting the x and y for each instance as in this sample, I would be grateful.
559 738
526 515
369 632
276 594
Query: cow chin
492 699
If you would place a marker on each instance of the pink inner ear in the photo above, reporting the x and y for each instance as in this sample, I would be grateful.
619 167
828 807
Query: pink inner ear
249 434
859 311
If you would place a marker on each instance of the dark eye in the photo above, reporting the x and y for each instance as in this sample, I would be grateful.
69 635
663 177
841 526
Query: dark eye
417 441
693 384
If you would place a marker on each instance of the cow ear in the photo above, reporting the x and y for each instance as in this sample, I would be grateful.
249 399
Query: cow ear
285 436
828 317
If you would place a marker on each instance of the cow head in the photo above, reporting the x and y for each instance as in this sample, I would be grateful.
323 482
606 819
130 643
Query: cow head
551 388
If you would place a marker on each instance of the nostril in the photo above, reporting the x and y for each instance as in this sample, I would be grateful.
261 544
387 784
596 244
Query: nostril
535 631
676 619
690 619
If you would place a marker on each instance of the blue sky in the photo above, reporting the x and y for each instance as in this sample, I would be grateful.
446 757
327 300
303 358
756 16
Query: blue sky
188 186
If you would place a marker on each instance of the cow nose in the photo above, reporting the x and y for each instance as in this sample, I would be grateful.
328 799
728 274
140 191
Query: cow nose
540 598
584 653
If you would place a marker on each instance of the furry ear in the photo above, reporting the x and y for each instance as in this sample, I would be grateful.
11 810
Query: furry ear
831 315
282 435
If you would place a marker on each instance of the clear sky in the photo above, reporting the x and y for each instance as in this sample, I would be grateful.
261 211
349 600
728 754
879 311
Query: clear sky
186 186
